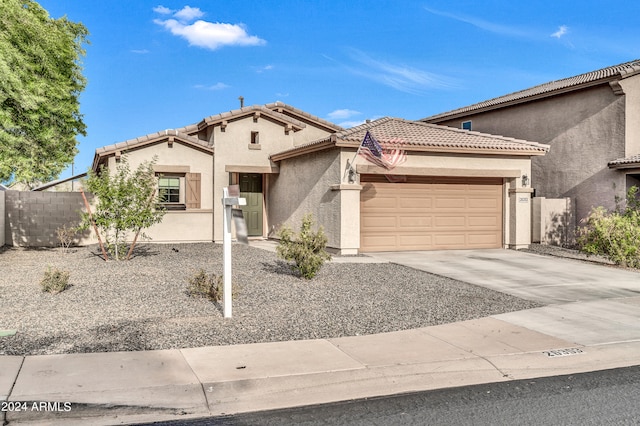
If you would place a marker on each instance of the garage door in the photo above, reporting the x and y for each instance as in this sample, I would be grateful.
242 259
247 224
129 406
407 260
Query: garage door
430 213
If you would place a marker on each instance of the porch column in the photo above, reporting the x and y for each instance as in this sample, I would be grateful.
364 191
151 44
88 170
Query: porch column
349 217
519 215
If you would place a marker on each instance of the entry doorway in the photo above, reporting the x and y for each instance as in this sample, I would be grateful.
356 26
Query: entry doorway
251 190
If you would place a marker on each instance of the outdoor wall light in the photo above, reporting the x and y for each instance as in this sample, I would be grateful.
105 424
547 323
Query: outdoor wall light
525 181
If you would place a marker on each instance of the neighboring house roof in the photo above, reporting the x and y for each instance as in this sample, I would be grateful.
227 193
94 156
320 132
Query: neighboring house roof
3 188
605 75
150 139
303 116
625 163
58 182
418 136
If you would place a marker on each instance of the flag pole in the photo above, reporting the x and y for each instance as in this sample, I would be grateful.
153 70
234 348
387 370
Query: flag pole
350 164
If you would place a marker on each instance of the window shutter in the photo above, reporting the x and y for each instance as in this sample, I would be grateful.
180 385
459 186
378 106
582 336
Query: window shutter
193 190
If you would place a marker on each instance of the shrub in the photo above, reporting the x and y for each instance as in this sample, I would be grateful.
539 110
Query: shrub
66 236
203 285
128 203
306 250
614 234
55 280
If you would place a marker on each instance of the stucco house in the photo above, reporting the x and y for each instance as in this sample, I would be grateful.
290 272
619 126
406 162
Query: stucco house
592 123
195 162
457 189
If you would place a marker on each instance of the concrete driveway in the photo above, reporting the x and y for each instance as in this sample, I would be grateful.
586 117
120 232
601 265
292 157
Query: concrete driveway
544 279
587 304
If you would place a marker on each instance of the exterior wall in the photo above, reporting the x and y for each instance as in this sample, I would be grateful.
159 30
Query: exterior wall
179 226
304 185
232 147
31 218
631 87
553 222
516 202
586 130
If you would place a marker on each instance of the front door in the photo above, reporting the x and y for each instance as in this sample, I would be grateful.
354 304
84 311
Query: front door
251 189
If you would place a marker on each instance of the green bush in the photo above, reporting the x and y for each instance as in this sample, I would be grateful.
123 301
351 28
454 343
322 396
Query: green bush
55 280
306 250
614 234
203 285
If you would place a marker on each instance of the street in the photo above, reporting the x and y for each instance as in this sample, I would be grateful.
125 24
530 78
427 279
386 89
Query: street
602 397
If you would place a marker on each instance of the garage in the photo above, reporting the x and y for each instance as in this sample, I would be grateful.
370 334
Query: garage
430 213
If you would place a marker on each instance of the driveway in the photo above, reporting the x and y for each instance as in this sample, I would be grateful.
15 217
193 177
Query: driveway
544 279
587 304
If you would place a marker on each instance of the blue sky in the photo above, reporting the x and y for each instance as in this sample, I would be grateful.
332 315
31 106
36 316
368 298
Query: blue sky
154 65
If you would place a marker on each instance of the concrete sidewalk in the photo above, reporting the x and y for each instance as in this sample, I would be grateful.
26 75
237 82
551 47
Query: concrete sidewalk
600 331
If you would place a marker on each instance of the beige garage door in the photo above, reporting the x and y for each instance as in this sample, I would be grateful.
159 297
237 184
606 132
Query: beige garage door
430 213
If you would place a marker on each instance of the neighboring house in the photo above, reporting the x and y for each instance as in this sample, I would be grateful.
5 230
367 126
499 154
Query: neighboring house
591 122
457 189
70 184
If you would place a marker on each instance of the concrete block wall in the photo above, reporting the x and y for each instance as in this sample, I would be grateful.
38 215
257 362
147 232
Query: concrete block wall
553 221
31 218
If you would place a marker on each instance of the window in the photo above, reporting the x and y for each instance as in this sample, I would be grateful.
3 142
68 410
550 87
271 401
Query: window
255 138
466 125
169 189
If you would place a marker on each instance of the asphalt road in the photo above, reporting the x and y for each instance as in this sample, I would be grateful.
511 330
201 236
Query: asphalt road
604 397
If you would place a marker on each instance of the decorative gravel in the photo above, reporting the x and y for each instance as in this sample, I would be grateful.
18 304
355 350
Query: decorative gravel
142 304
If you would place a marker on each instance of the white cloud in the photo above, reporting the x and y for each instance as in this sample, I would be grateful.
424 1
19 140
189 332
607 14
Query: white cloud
481 23
562 30
187 14
140 51
400 77
217 86
162 10
342 114
264 68
205 34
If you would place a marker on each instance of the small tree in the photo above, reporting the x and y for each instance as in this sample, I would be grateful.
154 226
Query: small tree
127 203
306 250
614 234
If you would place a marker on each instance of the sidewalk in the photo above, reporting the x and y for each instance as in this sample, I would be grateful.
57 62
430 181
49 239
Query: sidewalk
133 387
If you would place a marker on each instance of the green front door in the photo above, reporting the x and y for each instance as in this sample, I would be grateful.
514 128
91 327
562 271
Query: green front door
251 189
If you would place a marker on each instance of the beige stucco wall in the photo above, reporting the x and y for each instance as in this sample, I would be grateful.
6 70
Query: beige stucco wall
193 224
304 186
585 129
233 148
516 201
314 183
631 87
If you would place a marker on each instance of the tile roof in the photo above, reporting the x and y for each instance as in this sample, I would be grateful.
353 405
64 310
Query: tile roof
604 75
418 136
132 143
280 107
628 162
249 110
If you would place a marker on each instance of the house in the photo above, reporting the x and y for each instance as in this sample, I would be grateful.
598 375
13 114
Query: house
457 189
196 162
591 122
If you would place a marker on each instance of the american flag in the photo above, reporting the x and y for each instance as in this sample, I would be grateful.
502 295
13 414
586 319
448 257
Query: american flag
371 149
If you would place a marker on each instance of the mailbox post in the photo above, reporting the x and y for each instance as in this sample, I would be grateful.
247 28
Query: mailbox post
230 198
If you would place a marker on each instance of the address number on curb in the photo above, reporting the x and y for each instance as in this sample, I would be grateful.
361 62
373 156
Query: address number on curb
563 352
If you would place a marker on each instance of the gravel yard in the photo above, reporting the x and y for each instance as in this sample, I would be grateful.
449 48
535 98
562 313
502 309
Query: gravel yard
142 304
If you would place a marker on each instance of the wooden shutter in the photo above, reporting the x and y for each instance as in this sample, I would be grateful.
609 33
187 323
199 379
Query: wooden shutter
193 190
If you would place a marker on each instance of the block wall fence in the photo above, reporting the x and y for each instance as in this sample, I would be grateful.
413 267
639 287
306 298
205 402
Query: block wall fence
30 218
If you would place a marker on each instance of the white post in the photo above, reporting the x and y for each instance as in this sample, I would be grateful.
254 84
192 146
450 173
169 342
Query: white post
226 254
228 201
